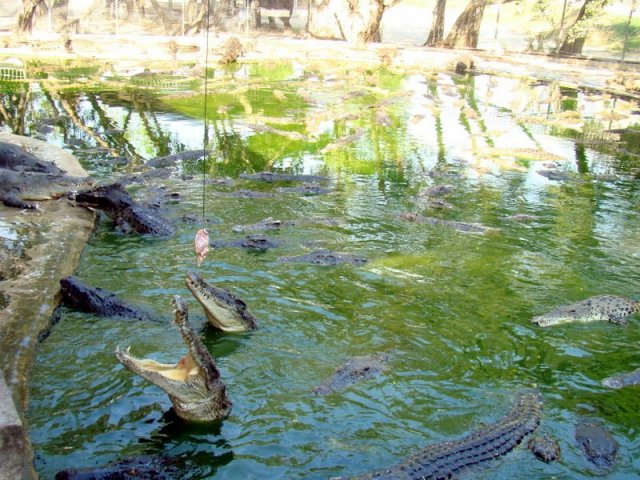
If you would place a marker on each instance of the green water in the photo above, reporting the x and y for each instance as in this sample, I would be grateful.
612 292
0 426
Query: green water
452 309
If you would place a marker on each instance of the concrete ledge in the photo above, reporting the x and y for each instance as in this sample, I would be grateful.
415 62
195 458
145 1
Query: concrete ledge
16 457
51 240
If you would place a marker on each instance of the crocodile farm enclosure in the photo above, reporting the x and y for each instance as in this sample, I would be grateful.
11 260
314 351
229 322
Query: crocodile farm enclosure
416 264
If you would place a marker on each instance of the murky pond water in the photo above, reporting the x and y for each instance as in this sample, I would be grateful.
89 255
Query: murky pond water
452 308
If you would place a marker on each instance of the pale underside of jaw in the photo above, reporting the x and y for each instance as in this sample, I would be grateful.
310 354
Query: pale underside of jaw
218 316
181 371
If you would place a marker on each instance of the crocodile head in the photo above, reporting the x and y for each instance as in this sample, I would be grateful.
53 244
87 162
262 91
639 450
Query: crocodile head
224 310
193 383
608 308
112 197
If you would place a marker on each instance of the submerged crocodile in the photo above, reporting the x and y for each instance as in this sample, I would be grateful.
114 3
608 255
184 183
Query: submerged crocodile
250 242
447 459
171 160
305 190
355 369
325 257
267 224
224 310
283 177
193 383
129 216
460 226
159 467
17 188
244 194
608 308
623 380
81 296
597 443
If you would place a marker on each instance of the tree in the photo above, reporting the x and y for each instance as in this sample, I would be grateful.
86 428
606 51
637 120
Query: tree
577 33
27 14
353 20
466 29
436 34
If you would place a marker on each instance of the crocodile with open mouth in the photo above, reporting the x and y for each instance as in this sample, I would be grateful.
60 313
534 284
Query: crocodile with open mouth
224 310
193 383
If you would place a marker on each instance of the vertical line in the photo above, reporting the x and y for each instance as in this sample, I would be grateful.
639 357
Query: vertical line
205 139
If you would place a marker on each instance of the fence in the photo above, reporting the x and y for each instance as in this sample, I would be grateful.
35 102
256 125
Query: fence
507 25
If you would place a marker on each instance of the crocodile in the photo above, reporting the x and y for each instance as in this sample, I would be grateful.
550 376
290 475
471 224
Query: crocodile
447 459
266 224
283 177
81 296
325 257
459 226
224 310
623 380
608 308
597 443
244 194
17 159
17 188
545 448
171 160
437 191
305 190
250 242
355 369
193 384
158 467
129 216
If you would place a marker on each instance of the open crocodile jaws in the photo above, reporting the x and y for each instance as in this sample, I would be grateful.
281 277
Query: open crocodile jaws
447 459
608 308
193 384
224 310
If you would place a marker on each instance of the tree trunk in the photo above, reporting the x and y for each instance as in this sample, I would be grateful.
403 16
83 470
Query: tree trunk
28 13
577 33
436 34
466 30
357 21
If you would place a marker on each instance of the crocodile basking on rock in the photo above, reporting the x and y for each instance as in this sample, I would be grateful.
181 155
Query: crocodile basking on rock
607 308
17 188
193 383
129 216
447 459
224 310
17 159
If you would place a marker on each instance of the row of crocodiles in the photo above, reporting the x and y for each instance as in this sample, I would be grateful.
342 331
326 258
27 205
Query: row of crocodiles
194 384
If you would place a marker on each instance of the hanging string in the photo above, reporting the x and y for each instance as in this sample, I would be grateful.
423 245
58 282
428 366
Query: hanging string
205 139
201 241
